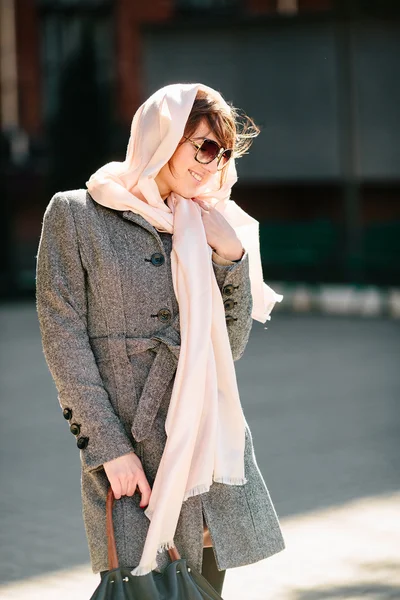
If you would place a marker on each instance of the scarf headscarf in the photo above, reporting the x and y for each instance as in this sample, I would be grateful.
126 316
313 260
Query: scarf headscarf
205 425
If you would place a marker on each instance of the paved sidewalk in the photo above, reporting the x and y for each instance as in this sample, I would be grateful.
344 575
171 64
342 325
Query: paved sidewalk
346 552
321 396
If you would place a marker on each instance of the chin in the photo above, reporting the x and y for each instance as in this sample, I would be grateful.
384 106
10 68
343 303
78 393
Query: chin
187 193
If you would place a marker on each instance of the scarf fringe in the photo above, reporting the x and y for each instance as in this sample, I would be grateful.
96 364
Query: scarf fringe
166 546
202 489
139 571
199 489
231 480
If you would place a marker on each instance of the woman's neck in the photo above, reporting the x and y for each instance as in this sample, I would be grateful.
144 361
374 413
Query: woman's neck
162 188
136 192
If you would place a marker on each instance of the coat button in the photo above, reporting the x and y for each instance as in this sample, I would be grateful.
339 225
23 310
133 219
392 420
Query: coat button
82 442
157 259
229 304
228 289
75 429
67 413
229 319
164 315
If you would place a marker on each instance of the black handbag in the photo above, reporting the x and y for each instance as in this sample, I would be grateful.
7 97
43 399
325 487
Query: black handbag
176 582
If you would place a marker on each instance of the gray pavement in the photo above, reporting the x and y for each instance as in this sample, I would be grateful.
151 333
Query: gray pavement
321 395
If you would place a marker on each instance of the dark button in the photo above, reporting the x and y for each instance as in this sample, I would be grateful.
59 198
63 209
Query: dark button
229 319
157 259
67 413
75 429
229 304
228 289
82 442
164 315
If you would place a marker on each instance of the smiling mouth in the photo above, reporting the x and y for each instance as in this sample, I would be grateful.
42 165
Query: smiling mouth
196 176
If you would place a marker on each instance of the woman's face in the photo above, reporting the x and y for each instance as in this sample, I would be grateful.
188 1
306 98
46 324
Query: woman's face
187 175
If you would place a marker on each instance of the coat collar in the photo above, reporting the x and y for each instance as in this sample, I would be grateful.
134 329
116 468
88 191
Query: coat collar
139 220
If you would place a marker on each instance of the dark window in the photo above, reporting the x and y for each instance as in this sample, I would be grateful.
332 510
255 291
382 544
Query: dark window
207 6
62 27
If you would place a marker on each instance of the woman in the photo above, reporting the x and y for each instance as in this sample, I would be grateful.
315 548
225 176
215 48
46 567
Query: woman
147 284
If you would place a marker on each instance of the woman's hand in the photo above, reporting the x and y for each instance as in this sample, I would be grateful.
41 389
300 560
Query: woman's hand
125 474
219 233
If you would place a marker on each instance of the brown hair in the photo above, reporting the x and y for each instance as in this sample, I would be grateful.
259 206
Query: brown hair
232 128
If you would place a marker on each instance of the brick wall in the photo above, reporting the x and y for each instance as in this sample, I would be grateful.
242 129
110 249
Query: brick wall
261 6
28 63
130 17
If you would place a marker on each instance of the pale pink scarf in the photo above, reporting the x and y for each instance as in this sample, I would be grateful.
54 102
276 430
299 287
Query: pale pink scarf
205 424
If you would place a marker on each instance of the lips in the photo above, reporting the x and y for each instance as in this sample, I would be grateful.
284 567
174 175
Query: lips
196 176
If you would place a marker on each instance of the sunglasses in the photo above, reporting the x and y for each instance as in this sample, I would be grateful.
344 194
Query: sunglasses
209 150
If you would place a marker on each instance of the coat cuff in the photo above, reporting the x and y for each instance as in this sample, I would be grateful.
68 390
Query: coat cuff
93 458
224 262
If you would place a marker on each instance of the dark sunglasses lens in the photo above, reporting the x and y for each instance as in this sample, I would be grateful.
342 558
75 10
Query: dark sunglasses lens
208 151
225 158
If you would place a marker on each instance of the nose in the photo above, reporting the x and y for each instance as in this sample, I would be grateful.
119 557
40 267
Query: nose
212 166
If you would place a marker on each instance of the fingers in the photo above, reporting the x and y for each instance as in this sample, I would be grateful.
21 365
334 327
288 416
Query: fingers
130 487
116 488
126 476
123 485
127 486
145 490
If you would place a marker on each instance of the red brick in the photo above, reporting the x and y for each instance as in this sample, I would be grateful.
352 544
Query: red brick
261 6
28 63
129 19
315 5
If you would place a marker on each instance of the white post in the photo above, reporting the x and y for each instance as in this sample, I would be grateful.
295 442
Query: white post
289 7
9 98
8 66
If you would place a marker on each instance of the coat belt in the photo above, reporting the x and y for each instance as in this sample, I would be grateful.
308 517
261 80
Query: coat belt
166 345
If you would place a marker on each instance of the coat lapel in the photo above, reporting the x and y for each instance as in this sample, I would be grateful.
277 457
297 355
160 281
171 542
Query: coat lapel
139 220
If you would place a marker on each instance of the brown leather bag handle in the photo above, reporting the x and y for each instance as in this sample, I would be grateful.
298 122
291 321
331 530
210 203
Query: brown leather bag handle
112 548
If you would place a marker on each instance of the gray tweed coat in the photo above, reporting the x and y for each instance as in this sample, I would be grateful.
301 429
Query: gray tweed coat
110 330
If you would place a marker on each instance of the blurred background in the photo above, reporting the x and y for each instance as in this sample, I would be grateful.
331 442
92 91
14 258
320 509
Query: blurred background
320 391
320 77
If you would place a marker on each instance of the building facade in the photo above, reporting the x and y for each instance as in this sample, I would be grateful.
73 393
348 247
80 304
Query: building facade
320 78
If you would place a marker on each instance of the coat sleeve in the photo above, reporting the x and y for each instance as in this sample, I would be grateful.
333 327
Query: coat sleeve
234 282
62 310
